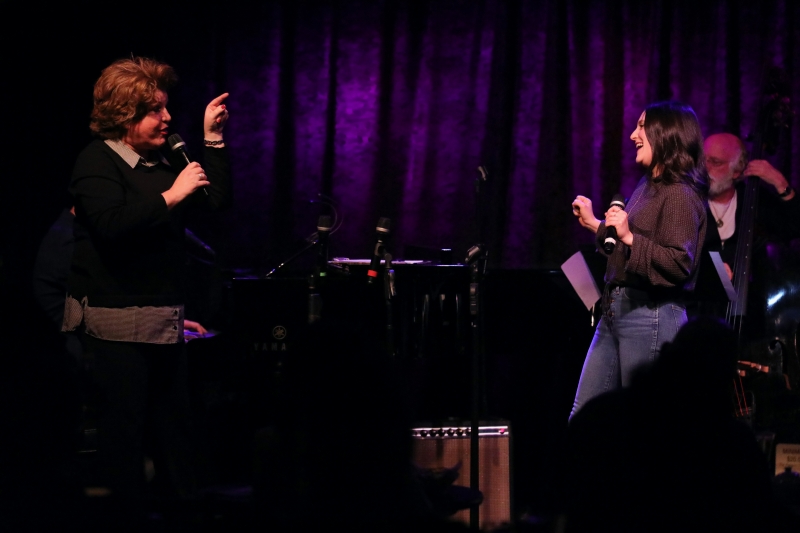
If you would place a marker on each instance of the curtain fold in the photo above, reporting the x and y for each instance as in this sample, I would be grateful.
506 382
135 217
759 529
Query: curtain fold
388 107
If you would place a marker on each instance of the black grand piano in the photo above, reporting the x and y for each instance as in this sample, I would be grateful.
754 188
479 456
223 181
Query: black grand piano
536 335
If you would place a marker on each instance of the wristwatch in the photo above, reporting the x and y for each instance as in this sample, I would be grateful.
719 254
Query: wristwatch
786 192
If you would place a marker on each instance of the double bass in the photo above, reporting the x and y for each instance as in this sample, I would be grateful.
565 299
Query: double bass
769 333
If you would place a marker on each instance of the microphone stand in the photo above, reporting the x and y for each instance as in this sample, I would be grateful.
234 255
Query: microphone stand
317 279
314 295
319 238
476 259
388 293
303 250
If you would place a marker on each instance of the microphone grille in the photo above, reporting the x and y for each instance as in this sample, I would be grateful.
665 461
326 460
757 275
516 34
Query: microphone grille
175 142
384 225
324 223
618 200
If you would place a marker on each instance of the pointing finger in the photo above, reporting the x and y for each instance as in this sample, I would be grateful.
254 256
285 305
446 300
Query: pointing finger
219 99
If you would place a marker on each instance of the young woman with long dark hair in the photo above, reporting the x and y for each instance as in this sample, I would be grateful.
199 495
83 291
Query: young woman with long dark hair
654 262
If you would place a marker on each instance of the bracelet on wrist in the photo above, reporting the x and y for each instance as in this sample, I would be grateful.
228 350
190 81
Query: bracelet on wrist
206 142
786 192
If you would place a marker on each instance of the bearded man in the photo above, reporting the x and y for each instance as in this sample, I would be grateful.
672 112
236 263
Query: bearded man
778 209
777 221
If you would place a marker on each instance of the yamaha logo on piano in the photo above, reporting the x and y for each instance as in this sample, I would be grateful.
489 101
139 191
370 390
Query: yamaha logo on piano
277 344
269 346
279 333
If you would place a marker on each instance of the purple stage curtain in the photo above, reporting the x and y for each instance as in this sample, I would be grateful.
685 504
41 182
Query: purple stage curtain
388 108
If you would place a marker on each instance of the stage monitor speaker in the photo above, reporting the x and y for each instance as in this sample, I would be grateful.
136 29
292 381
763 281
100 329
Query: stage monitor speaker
444 447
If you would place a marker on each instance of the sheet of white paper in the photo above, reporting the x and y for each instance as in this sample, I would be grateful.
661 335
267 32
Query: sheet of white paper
723 276
579 275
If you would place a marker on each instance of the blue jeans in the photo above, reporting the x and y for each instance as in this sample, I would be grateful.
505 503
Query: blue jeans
628 336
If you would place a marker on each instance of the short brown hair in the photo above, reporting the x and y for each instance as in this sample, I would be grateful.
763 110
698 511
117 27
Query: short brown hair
125 92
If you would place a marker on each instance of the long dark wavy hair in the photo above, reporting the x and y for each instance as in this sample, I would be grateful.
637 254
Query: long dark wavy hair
674 134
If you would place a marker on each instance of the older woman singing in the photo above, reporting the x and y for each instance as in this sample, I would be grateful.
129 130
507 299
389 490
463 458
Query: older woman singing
125 285
654 262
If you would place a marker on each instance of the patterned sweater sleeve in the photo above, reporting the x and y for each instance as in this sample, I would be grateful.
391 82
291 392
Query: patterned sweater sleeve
668 256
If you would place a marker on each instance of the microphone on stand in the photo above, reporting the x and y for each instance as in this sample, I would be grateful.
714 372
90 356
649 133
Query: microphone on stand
382 233
316 281
611 232
177 145
323 232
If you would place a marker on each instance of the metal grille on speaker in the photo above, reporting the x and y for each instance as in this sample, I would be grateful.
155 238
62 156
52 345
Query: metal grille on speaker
444 447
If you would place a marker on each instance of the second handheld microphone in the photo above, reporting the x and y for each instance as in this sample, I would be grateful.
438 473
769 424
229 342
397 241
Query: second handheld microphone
611 232
382 232
323 232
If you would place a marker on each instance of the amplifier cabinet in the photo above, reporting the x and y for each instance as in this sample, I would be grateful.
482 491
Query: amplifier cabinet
445 446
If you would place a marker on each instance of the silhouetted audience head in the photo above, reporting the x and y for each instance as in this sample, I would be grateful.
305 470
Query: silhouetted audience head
667 454
697 368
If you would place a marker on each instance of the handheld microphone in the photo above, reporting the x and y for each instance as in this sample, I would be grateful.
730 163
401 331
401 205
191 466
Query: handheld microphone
382 232
323 231
611 232
177 145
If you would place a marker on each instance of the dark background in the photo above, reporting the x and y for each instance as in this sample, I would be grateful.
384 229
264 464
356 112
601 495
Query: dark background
388 108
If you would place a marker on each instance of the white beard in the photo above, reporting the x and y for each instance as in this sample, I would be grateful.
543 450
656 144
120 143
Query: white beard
718 187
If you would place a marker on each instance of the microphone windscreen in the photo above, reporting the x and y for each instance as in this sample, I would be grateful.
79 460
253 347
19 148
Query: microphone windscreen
618 200
384 225
324 223
175 142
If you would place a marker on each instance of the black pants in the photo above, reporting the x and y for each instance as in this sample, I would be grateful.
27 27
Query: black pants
141 390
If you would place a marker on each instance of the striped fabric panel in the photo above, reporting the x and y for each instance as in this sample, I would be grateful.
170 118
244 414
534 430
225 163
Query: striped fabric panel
153 325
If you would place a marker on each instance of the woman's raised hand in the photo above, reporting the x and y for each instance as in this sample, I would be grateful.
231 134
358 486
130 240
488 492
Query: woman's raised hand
215 118
582 208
